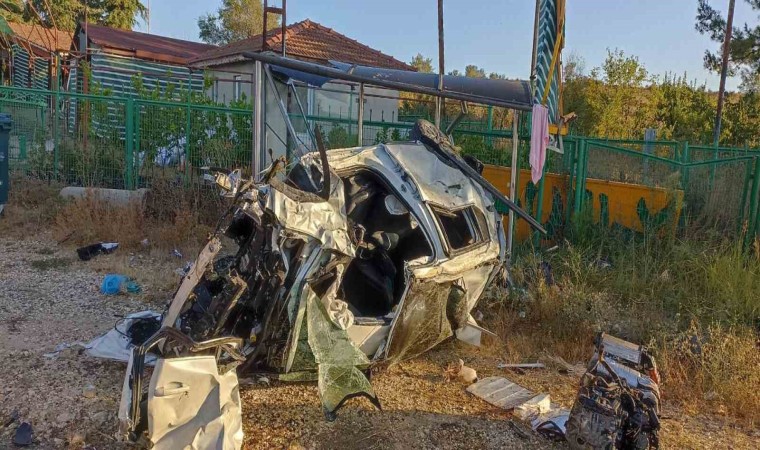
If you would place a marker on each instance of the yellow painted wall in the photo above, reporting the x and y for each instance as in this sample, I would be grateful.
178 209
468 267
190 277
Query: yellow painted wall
623 198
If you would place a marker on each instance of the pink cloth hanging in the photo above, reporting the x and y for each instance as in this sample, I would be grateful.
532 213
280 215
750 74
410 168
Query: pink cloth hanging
539 140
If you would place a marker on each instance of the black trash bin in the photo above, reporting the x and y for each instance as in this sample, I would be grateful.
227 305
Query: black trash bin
5 131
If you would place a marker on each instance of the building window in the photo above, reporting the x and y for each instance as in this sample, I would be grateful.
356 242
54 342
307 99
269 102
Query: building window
236 88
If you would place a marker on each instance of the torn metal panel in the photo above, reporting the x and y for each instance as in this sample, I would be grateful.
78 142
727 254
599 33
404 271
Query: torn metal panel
421 322
192 406
205 258
324 220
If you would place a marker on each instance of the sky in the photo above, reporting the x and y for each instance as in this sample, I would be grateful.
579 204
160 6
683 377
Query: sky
496 34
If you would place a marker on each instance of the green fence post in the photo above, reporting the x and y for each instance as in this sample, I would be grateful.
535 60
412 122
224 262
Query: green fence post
540 202
570 157
489 140
745 189
129 139
187 145
580 184
56 100
753 202
685 160
712 169
136 134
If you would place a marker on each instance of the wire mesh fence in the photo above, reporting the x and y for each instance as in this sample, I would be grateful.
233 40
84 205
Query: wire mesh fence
126 142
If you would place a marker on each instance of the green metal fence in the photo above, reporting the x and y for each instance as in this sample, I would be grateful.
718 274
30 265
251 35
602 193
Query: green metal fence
91 140
117 142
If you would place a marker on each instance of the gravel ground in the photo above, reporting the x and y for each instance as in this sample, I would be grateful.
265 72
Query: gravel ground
48 297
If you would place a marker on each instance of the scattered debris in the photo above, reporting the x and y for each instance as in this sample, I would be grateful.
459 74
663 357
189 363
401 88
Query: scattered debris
130 331
537 405
619 399
145 242
61 347
602 263
114 284
89 391
552 424
193 400
23 436
535 365
90 251
565 367
500 392
177 253
546 271
457 370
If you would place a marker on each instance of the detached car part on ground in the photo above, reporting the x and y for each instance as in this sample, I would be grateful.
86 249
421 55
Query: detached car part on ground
618 403
358 258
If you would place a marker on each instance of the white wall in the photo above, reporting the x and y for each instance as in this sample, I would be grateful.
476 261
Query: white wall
321 102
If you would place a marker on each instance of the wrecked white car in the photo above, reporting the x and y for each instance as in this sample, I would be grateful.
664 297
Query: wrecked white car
357 258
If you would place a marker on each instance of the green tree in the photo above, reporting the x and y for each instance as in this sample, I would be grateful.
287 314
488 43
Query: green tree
13 10
617 100
473 71
66 14
422 64
744 57
235 20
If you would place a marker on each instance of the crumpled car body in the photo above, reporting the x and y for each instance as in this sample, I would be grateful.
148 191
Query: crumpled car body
326 277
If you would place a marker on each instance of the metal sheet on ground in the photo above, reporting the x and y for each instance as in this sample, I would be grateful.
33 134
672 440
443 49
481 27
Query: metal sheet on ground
500 392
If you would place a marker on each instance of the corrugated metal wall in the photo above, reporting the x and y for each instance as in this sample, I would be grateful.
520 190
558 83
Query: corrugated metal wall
116 72
20 75
39 75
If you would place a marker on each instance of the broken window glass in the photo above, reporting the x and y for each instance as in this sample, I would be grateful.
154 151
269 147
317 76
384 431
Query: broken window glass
339 361
461 228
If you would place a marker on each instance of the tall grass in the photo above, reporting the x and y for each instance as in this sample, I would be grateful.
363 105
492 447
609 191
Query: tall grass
170 217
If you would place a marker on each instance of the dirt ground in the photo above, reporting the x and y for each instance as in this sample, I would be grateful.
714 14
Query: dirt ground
48 298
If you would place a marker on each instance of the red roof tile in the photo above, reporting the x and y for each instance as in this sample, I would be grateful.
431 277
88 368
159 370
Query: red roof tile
45 39
306 40
144 45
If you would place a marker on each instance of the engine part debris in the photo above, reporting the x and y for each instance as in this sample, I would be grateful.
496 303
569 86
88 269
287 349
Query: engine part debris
618 402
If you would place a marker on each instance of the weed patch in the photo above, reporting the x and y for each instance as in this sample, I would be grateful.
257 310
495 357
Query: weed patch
51 264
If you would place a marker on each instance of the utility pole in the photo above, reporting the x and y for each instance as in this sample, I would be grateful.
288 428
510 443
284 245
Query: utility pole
441 67
724 70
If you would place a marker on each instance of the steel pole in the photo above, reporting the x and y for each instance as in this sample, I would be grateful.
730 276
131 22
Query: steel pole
441 66
360 116
258 116
534 53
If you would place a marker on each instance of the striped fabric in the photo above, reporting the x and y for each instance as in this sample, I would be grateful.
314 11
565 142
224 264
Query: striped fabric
547 36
